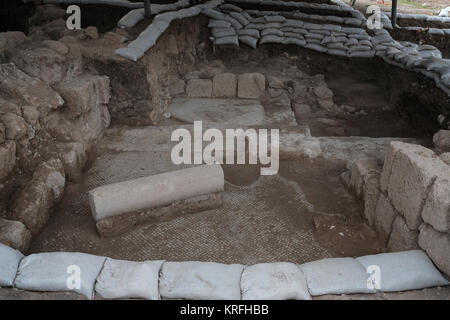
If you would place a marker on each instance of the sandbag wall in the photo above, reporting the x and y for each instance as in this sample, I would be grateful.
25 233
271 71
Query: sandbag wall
116 279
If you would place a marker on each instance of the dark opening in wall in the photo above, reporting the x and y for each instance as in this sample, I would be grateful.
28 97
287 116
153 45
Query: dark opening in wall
14 15
417 114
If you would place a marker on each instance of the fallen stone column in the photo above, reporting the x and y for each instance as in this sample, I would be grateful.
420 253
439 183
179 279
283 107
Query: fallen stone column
155 191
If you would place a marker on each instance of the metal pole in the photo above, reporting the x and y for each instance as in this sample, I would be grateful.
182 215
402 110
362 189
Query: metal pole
394 13
147 8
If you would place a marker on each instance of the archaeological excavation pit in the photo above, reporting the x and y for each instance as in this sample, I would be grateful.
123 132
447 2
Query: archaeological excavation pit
357 125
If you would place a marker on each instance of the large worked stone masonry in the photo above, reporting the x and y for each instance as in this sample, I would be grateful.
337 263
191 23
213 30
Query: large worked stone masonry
86 175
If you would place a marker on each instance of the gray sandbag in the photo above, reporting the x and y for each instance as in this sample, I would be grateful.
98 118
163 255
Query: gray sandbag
200 281
365 43
9 263
332 27
312 26
214 14
60 271
249 32
322 32
247 16
337 46
240 18
312 35
335 276
218 24
354 21
228 40
294 35
235 23
275 25
257 26
274 281
359 36
121 279
295 30
132 18
271 39
276 18
249 40
430 54
273 31
381 38
337 52
358 47
133 54
220 33
335 19
316 47
362 54
294 41
259 20
230 7
406 270
293 23
436 31
351 42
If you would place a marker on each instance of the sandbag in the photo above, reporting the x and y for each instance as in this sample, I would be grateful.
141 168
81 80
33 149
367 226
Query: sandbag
218 24
316 47
133 54
406 270
273 31
228 40
271 39
274 281
200 281
248 40
275 18
295 41
337 52
9 263
335 276
132 18
128 279
230 7
240 17
249 32
214 14
235 23
223 32
59 271
362 54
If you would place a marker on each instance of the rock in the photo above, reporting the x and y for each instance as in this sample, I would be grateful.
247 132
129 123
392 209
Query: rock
192 75
86 128
9 106
35 201
7 158
441 141
56 46
210 72
73 156
10 40
91 32
30 114
41 62
301 109
251 85
275 83
445 157
436 210
384 217
177 87
31 91
437 246
199 88
33 206
15 126
84 93
402 238
365 176
323 92
327 105
224 85
172 47
300 91
15 235
51 173
408 173
2 133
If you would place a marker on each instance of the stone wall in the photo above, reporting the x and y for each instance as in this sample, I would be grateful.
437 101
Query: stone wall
408 199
